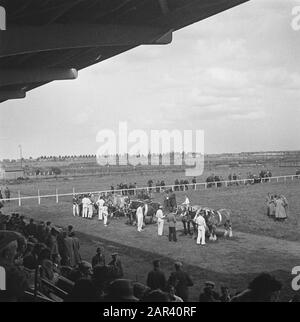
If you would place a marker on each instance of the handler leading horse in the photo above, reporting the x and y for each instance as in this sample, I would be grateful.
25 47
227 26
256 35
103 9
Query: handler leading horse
215 219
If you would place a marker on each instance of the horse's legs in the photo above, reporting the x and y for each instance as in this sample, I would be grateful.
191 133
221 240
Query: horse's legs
230 232
214 233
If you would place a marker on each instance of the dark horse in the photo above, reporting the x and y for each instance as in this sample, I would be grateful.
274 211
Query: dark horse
149 208
187 216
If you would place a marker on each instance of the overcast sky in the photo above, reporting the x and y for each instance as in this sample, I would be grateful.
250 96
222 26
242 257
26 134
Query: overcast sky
235 75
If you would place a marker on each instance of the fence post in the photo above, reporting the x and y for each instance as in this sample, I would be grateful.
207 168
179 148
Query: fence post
205 185
56 195
277 179
39 198
73 191
20 200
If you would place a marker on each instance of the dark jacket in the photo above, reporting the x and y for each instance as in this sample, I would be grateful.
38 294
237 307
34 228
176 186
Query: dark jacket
181 281
156 280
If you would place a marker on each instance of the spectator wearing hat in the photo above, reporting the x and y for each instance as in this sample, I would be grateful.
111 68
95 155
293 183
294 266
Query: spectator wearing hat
121 290
181 281
156 278
16 279
76 248
99 258
69 244
263 288
52 242
156 296
116 265
62 248
209 295
160 221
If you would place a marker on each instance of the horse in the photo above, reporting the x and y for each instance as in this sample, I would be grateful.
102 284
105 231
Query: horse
149 212
187 217
215 219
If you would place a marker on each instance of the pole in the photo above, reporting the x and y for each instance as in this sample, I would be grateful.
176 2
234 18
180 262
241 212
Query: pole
21 156
39 198
19 195
56 191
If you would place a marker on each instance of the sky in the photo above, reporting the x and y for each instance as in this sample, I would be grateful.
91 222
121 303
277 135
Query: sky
236 76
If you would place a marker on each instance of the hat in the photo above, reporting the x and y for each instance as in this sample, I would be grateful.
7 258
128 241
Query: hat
160 207
114 254
122 289
210 283
178 264
84 265
6 237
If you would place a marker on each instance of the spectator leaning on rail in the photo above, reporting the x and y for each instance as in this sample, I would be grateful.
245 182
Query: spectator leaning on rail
99 258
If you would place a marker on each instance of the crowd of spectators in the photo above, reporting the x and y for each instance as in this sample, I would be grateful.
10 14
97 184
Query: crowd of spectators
43 261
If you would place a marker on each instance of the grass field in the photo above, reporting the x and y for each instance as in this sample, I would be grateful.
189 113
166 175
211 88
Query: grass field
259 243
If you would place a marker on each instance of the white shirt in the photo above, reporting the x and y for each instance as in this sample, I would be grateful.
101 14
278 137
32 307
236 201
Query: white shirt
86 201
200 221
159 215
186 201
100 202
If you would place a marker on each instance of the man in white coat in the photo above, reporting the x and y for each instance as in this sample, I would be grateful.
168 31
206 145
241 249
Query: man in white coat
85 206
186 202
160 221
200 221
105 214
90 208
100 204
140 217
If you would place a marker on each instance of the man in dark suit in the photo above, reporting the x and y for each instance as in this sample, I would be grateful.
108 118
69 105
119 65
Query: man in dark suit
171 219
156 278
181 281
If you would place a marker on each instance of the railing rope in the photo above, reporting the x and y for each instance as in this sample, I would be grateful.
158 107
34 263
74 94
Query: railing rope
180 187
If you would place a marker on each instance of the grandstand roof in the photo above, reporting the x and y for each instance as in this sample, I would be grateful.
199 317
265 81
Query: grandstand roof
47 40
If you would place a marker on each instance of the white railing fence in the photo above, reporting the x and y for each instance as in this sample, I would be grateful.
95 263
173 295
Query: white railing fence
194 186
